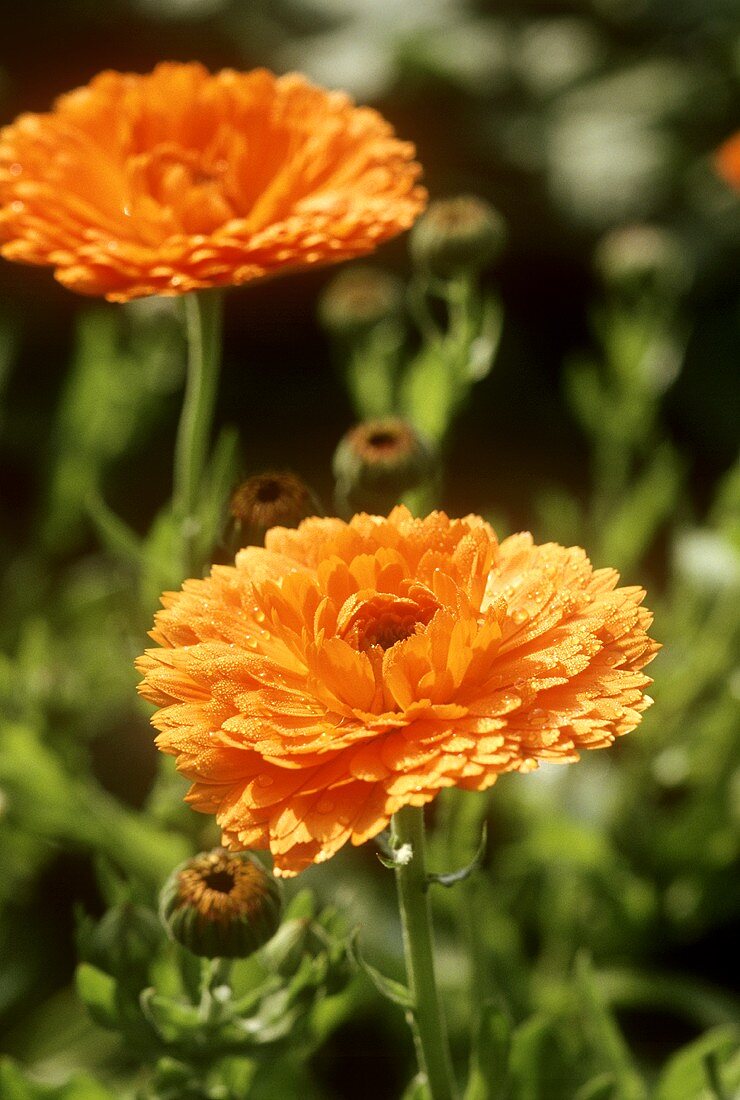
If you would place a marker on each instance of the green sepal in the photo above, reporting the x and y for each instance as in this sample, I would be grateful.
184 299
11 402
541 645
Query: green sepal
451 878
389 988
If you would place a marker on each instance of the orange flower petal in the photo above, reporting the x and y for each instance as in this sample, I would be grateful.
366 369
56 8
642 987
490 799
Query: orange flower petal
178 180
347 670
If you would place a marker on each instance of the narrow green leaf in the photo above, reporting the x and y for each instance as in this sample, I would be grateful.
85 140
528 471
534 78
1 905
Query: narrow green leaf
417 1089
488 1078
483 347
602 1087
388 987
604 1035
451 878
535 1061
116 536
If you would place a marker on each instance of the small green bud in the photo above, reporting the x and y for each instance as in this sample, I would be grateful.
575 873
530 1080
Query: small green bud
460 234
269 500
221 904
358 299
378 461
643 259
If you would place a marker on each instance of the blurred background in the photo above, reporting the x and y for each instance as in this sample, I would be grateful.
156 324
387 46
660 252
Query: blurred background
573 119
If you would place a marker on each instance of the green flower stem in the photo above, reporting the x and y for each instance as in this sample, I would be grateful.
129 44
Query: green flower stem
426 1015
214 973
203 327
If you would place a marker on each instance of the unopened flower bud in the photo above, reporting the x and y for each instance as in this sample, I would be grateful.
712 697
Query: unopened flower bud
358 299
221 904
460 234
378 461
269 500
642 259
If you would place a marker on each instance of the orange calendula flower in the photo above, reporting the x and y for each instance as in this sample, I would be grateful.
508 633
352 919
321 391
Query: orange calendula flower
727 160
179 180
349 669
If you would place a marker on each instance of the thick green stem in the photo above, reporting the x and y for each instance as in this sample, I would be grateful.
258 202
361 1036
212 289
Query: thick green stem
203 327
426 1015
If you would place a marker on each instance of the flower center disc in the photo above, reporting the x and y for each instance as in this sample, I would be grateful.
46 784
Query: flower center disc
382 619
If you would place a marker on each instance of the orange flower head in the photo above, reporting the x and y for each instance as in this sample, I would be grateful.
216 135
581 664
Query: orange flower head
348 669
727 160
179 179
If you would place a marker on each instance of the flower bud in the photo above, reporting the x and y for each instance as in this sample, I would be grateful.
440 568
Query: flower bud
358 299
378 461
454 235
269 500
642 259
221 904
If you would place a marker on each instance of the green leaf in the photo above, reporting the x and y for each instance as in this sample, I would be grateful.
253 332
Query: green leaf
483 347
429 393
173 1020
116 536
648 504
488 1078
388 987
302 906
586 396
417 1089
602 1087
536 1061
451 878
603 1034
14 1085
688 1075
99 993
